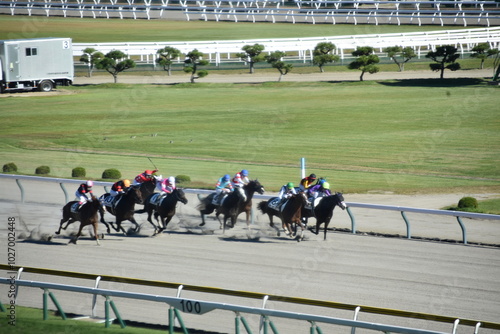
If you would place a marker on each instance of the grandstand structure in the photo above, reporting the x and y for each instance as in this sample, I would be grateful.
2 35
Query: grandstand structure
449 12
301 49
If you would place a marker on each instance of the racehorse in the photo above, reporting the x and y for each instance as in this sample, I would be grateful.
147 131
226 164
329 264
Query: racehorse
291 215
265 208
86 215
123 208
323 212
232 205
147 188
165 209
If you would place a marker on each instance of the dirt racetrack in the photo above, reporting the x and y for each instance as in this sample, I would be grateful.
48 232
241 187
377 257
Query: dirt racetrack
414 275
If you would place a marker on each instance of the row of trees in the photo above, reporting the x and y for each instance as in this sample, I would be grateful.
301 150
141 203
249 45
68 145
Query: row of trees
366 61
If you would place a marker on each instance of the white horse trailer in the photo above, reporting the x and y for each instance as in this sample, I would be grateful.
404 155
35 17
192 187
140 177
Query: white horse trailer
40 63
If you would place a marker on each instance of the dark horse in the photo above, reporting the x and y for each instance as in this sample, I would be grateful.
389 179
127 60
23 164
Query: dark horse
232 205
147 188
86 215
123 208
291 215
323 211
165 210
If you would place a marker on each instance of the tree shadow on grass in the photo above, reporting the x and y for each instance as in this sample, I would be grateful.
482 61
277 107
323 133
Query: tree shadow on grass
452 82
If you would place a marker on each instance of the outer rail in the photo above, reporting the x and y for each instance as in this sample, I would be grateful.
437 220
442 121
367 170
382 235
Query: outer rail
246 294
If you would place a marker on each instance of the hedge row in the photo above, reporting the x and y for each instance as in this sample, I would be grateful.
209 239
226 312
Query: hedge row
80 172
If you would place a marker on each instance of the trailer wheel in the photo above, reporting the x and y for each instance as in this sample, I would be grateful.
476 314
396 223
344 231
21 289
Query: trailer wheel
45 86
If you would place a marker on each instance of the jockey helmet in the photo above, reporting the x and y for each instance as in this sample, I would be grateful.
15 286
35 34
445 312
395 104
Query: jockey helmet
312 176
148 172
321 181
290 185
244 172
90 183
326 185
227 177
126 183
171 180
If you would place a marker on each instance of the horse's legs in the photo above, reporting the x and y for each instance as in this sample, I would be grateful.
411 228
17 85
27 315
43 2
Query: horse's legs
94 225
202 219
73 241
150 212
101 213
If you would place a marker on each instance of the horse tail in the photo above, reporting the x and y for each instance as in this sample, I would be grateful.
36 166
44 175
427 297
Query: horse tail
262 206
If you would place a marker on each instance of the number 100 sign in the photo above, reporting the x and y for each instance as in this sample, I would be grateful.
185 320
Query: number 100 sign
192 306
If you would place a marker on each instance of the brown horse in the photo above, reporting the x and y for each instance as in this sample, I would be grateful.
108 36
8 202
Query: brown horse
123 208
291 215
165 210
323 211
232 205
86 215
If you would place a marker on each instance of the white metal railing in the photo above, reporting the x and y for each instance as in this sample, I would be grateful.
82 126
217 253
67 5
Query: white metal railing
201 307
457 214
463 39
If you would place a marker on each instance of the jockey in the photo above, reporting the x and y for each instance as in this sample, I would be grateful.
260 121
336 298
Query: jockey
144 177
83 190
119 187
319 190
307 182
165 186
287 191
222 188
239 180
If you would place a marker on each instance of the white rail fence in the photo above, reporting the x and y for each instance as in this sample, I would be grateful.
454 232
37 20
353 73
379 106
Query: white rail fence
350 205
200 307
465 12
302 48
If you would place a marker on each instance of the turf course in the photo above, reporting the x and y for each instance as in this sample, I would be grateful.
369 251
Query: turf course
404 137
371 136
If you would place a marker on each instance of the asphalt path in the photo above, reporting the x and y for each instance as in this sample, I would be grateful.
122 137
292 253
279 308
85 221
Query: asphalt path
442 278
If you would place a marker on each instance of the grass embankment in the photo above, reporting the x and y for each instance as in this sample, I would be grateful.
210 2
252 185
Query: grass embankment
29 321
433 136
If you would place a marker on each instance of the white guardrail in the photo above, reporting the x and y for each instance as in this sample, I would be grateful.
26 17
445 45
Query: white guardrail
401 209
217 51
200 307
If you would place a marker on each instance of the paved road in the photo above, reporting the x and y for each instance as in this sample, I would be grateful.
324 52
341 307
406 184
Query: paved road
420 276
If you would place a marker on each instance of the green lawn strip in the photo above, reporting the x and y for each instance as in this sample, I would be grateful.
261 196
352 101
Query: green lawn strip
431 135
30 321
89 30
490 206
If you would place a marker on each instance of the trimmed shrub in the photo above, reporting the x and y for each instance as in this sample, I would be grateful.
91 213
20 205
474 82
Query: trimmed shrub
111 173
78 172
9 167
42 170
182 179
467 203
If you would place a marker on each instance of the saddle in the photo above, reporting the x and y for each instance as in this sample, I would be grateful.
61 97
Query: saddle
157 198
75 208
110 201
276 204
219 199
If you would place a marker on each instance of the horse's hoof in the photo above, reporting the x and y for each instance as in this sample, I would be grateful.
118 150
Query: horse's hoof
202 224
58 233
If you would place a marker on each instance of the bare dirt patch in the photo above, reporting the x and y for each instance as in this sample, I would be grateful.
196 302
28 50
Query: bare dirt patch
36 93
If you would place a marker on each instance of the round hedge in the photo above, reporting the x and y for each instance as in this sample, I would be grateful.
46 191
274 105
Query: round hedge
78 172
111 173
182 179
9 167
42 170
468 203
